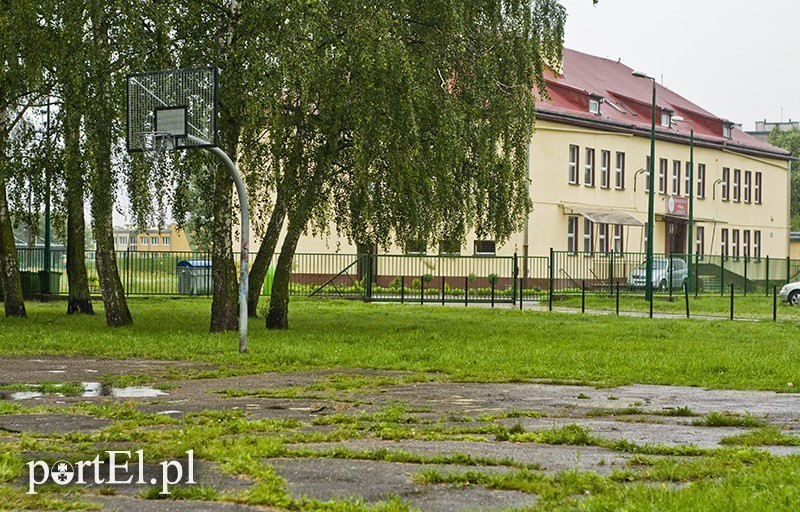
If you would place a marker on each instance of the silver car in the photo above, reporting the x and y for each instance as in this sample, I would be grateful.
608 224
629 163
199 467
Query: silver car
791 293
661 274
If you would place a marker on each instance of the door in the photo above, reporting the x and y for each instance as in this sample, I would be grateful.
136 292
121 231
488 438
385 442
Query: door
676 236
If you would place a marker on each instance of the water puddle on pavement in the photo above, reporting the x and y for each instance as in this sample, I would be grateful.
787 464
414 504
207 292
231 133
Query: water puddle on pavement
90 390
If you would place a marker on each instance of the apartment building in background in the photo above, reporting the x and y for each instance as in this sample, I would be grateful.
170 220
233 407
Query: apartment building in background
160 241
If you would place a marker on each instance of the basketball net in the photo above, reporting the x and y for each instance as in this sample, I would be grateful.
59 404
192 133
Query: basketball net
156 147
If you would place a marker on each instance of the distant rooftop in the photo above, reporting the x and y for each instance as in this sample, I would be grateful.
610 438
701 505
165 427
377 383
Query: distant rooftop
600 91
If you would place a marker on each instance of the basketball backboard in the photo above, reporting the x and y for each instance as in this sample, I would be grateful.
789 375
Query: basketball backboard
176 109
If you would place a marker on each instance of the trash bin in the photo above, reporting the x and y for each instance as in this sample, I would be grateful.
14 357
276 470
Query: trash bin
55 282
194 277
29 281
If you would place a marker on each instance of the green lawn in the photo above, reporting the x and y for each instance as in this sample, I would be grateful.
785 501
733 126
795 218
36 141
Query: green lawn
466 343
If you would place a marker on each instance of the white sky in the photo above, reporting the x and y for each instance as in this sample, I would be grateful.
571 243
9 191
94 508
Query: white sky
736 58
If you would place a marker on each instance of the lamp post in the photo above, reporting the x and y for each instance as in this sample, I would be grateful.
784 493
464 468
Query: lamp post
690 236
651 187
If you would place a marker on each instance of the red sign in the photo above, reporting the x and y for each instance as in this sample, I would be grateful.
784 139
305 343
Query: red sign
678 206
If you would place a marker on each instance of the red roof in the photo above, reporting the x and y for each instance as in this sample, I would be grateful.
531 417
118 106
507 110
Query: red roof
627 101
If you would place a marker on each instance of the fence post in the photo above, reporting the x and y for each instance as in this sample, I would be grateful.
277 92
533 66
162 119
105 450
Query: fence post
774 303
746 261
686 294
521 284
466 291
514 280
422 289
493 284
402 289
651 303
732 287
766 280
788 269
552 267
368 278
611 275
617 299
696 274
669 269
583 296
721 275
442 290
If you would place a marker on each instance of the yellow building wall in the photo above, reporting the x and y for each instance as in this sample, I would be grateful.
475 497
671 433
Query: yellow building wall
550 188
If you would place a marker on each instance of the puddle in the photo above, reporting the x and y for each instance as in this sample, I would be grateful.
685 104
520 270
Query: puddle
91 390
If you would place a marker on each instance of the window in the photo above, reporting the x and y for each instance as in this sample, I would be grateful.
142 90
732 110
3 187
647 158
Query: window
757 188
165 240
143 240
452 246
700 242
737 181
605 169
757 244
748 181
123 240
133 241
646 177
724 243
153 240
726 131
662 176
588 235
676 178
619 171
588 176
574 156
700 193
602 237
618 240
666 119
687 182
572 234
725 184
416 247
735 244
746 244
594 106
485 247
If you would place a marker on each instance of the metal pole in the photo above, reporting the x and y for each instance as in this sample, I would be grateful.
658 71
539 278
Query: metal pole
651 199
550 295
617 299
690 241
466 291
402 289
686 294
732 285
774 303
244 256
520 293
583 296
766 280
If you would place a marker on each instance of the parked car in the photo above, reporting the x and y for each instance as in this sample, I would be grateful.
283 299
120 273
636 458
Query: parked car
661 271
791 293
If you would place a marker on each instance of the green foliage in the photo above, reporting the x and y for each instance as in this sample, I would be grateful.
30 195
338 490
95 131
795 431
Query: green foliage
790 141
717 419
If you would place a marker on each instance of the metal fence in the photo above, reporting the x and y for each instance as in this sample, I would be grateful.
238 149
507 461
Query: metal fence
442 278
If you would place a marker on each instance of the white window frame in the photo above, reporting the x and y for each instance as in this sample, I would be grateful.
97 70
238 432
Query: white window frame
619 238
723 240
735 239
687 179
143 240
757 244
574 164
737 185
153 240
572 234
746 244
700 192
619 171
588 236
748 180
481 252
602 238
646 176
725 183
605 169
165 240
676 177
666 119
662 176
589 168
700 241
594 106
757 192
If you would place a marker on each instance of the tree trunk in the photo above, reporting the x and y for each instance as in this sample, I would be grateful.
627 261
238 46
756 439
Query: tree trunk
278 316
265 254
101 136
9 265
79 298
224 306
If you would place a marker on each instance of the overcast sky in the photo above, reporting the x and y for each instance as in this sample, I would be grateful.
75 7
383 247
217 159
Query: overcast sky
736 58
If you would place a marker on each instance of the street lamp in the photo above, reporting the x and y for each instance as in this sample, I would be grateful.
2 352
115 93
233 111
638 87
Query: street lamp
691 242
651 186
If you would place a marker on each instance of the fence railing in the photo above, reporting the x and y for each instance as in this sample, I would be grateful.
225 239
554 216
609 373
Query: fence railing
441 278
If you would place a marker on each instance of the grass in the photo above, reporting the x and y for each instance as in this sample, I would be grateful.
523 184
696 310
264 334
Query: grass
503 345
719 419
765 436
